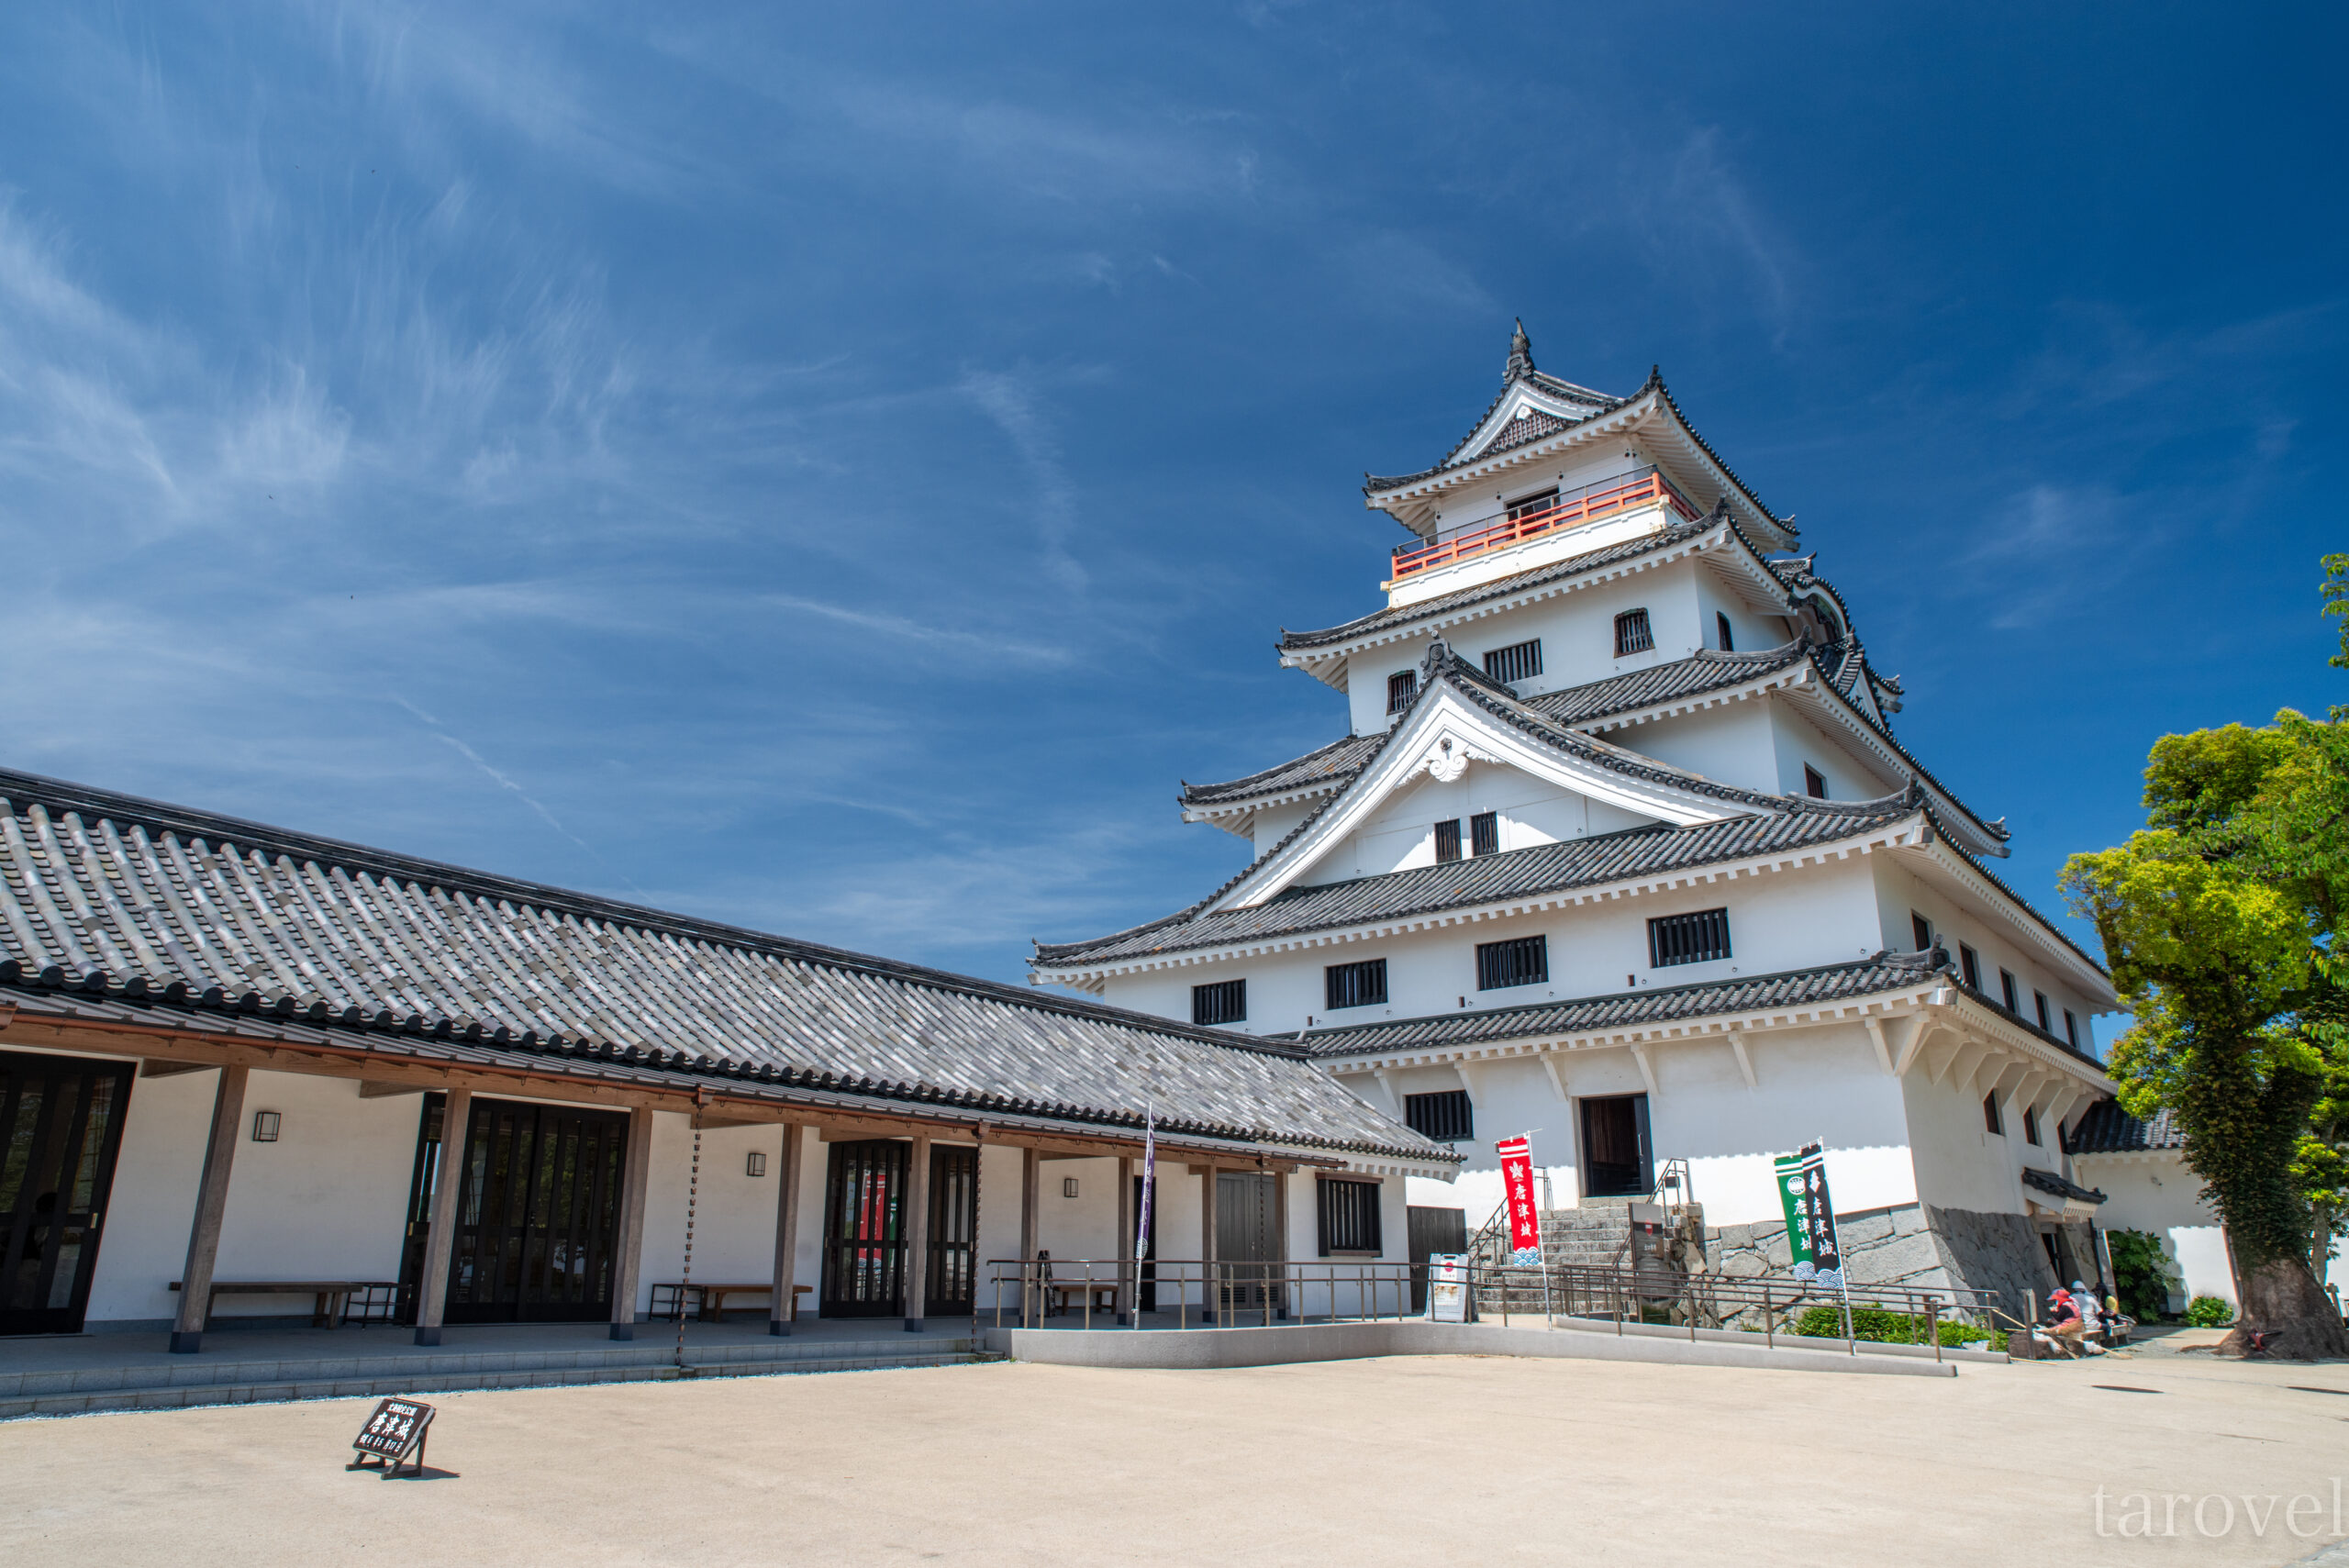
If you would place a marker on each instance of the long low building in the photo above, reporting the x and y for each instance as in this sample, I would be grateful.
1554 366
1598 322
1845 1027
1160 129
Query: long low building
229 1052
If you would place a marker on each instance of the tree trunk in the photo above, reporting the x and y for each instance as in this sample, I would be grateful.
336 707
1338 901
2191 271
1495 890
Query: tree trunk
2282 1299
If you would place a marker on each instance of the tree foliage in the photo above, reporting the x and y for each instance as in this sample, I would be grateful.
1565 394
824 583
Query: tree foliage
2223 921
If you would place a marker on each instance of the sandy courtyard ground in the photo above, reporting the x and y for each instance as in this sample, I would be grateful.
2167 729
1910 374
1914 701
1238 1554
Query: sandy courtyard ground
1403 1461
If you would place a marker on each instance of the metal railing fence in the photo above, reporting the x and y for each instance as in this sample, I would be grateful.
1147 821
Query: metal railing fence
1237 1295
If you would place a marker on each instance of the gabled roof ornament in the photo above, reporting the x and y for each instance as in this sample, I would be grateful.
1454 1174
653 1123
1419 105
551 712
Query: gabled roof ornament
1520 355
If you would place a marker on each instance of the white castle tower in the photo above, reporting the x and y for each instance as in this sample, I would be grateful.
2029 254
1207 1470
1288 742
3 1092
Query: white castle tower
1620 849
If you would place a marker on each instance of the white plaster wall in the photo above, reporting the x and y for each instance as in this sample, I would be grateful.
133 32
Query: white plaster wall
1960 1162
1780 920
1273 824
1902 891
149 1213
2156 1193
1731 744
1818 1082
1577 633
1799 741
327 1200
1400 836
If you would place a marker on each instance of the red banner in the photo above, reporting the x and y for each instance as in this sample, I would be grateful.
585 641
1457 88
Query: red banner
1516 1185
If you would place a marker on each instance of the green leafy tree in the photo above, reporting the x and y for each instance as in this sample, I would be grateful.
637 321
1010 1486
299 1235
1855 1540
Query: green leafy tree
2221 919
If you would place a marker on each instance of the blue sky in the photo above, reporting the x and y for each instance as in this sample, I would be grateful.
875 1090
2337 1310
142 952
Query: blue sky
837 471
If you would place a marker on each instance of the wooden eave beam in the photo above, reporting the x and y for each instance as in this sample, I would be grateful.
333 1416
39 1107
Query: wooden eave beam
190 1051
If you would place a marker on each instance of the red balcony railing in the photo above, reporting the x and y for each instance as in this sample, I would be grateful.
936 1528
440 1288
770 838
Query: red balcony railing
1570 510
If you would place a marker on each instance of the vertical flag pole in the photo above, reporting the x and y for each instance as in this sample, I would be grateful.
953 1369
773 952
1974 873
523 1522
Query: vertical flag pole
1149 1189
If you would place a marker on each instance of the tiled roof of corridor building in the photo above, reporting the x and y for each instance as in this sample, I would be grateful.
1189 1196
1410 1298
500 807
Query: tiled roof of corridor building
137 904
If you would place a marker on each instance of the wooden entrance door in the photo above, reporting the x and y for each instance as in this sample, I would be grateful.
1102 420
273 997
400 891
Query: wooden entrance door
62 1117
1615 1161
1246 1238
538 1212
864 1230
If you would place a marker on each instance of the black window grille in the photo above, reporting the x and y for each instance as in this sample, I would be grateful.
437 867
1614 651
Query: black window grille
1530 506
2006 990
1518 662
2071 1030
1523 961
1814 782
1688 938
1354 985
1632 633
1720 623
1991 1118
1447 1118
1447 839
2031 1124
1401 689
1969 964
1922 928
1225 1002
2039 1004
1485 833
1348 1217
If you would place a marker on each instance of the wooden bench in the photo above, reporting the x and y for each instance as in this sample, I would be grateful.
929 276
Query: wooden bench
1104 1294
710 1299
331 1297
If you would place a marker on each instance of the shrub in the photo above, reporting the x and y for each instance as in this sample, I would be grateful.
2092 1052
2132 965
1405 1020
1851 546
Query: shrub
2141 1274
2209 1312
1882 1325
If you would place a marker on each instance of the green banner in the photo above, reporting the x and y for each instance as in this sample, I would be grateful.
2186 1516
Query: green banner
1810 1215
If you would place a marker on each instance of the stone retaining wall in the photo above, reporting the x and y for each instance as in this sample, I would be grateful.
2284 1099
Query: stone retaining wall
1915 1245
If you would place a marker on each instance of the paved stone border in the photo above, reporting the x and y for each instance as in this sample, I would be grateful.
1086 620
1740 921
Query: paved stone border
1281 1346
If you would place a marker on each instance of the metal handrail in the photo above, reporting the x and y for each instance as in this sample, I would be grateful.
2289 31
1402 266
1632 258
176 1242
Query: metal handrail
1608 496
1234 1292
1230 1291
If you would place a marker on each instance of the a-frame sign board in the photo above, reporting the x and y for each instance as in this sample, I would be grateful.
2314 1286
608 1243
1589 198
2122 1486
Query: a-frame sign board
393 1435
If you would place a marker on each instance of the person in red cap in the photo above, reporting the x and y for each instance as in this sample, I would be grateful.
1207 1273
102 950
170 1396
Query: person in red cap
2067 1329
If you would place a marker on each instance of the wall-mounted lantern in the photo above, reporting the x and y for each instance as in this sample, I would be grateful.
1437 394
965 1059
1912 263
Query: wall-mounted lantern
1068 1186
758 1165
266 1127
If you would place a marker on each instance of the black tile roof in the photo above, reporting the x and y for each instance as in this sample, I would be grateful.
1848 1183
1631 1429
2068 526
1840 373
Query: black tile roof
1333 763
1599 403
1442 668
2108 1129
1396 616
2049 1182
1487 879
1704 671
159 906
1590 1015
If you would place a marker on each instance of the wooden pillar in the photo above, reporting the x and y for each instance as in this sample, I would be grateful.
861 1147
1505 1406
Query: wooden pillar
440 1226
211 1204
1281 1240
916 1232
1126 1295
628 1268
1211 1300
786 1231
1031 1188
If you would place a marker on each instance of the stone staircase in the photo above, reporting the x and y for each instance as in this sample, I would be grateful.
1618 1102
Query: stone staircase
219 1379
1597 1235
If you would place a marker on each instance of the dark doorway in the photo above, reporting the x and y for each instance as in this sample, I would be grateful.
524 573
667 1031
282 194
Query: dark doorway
865 1240
538 1212
63 1119
1432 1230
1615 1161
1146 1282
1246 1238
953 1211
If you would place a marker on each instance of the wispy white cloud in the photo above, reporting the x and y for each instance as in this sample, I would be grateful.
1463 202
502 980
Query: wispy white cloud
1012 402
